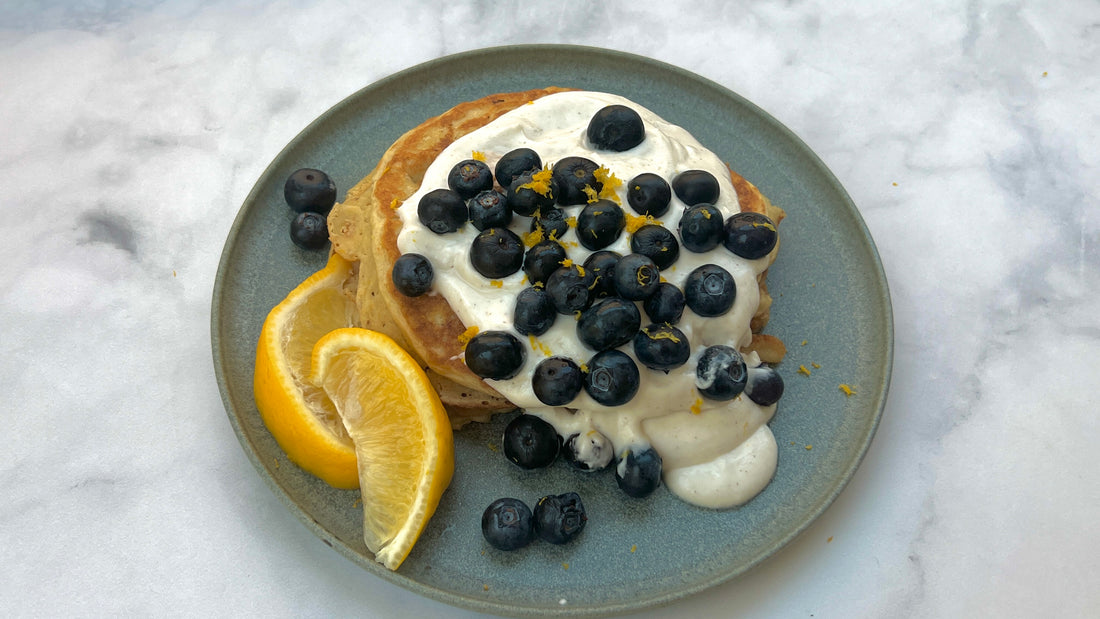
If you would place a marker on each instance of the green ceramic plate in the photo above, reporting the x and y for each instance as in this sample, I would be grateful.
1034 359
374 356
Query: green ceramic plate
832 308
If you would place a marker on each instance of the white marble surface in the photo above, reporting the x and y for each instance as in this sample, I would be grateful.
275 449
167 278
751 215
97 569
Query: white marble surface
967 133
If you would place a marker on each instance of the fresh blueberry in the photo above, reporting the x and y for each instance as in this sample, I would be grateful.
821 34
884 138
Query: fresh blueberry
572 175
602 264
710 290
508 524
412 275
534 313
750 235
442 211
701 228
496 253
648 194
612 378
638 473
469 178
696 187
495 354
309 230
542 259
608 323
488 209
636 277
661 347
559 518
600 223
557 380
530 443
309 190
721 373
590 451
617 128
515 163
666 305
526 196
570 289
657 242
552 221
765 385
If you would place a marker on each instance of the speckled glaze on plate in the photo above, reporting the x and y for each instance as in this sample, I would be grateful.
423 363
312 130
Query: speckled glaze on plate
634 553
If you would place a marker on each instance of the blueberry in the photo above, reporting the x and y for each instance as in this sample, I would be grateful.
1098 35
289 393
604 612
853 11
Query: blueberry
701 228
570 289
750 235
600 223
657 242
496 253
648 194
551 220
516 162
617 128
309 190
469 178
309 230
602 264
609 323
412 275
636 277
559 518
507 524
720 373
572 175
696 187
526 196
590 451
534 313
710 290
542 259
488 209
661 347
665 305
764 386
638 473
442 211
557 380
612 378
530 442
495 354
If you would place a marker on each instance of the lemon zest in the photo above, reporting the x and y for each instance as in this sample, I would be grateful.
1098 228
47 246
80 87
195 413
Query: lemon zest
848 390
539 346
802 370
478 155
634 222
817 366
496 283
592 194
540 183
467 335
610 184
697 406
533 237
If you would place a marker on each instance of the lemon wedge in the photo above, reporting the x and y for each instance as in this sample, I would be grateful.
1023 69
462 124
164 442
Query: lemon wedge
400 430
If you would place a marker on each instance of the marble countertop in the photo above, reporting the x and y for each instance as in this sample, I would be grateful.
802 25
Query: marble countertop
967 133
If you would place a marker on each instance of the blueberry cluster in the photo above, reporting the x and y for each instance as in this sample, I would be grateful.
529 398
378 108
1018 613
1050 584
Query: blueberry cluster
509 524
311 194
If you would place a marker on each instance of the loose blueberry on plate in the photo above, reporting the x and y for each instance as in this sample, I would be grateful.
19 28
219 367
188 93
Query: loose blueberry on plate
559 518
612 378
309 230
530 443
470 177
635 277
534 313
488 209
412 275
657 242
710 290
601 264
696 187
572 175
309 190
551 220
508 524
750 235
525 197
496 253
495 354
661 347
600 223
542 259
557 380
764 386
721 373
616 128
442 211
649 194
666 304
570 289
590 451
701 228
608 323
638 473
516 162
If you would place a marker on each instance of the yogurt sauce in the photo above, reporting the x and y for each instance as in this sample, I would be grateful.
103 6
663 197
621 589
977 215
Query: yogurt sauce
715 454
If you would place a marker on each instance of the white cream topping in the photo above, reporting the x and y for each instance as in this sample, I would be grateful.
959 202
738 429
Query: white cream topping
713 452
